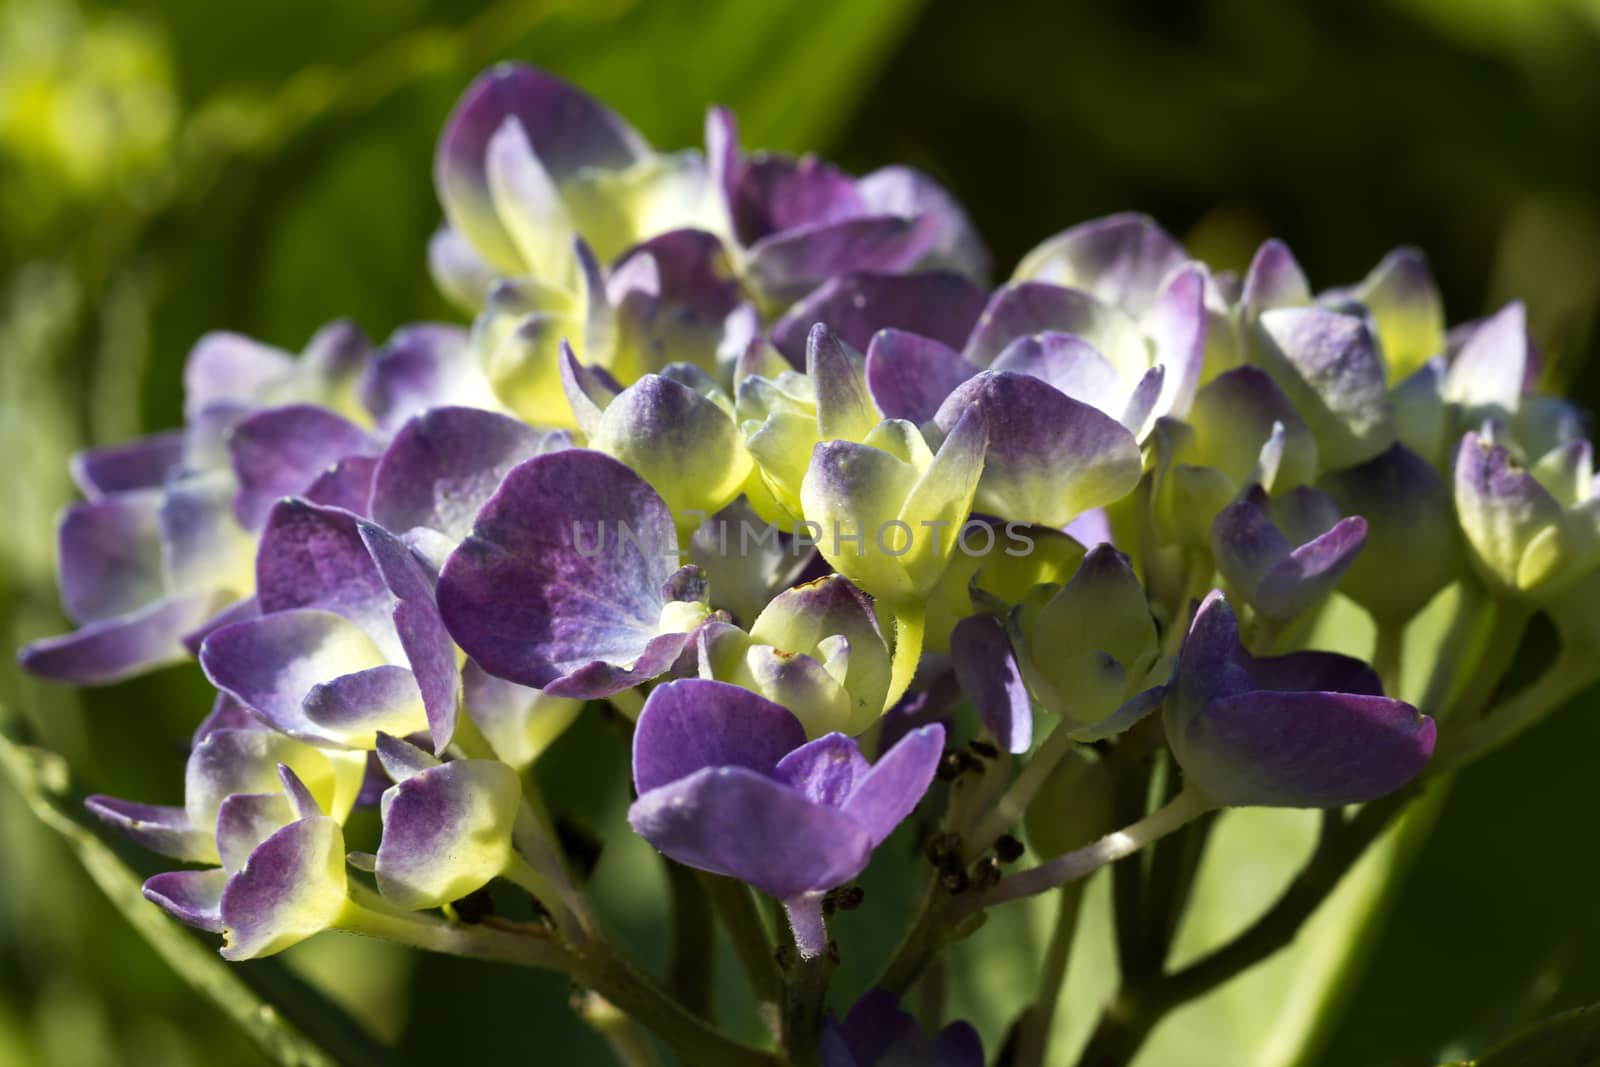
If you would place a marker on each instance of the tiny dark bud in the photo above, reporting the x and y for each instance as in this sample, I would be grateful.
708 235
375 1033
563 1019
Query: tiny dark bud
950 766
1009 849
850 897
955 882
941 846
474 907
987 874
984 749
784 956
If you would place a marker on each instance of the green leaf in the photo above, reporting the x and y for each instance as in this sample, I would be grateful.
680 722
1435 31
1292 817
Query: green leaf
1568 1040
42 778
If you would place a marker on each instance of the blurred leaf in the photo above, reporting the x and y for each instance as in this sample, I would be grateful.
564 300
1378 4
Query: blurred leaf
43 779
1570 1040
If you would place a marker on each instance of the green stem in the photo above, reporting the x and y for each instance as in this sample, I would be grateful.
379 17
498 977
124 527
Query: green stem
1135 1011
553 898
1562 680
1186 806
805 999
368 914
1388 653
694 1040
627 1039
910 623
596 967
995 820
1033 1038
736 909
691 948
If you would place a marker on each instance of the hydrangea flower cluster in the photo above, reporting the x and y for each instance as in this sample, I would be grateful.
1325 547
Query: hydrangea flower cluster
752 450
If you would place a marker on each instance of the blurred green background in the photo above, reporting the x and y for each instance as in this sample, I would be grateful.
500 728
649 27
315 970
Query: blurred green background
173 166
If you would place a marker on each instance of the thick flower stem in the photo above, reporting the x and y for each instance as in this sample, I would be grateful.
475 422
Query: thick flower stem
1139 1007
1033 1036
691 1037
804 1003
735 908
626 1039
1188 805
596 967
691 950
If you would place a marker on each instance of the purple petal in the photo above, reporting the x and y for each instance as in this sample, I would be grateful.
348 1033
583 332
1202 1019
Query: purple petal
1176 324
337 352
1329 366
772 194
843 407
1122 259
233 761
1070 364
885 795
547 587
987 669
226 714
909 193
280 451
1312 570
110 555
354 706
141 464
422 367
427 644
230 368
673 296
934 304
291 888
1050 457
1212 663
155 827
1313 671
825 771
232 612
1501 506
569 131
914 710
203 545
737 822
446 832
1304 750
114 649
691 724
346 485
788 264
909 376
1274 280
192 897
1025 308
957 1045
444 464
270 664
244 821
314 557
1488 375
460 273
